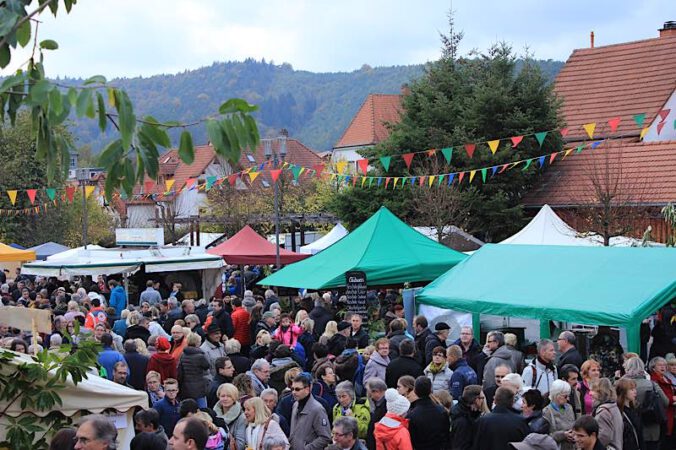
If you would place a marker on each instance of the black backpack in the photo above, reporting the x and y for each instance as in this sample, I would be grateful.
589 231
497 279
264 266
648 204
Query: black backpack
652 410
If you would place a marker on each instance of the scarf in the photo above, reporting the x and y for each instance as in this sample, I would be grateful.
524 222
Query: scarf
232 414
436 368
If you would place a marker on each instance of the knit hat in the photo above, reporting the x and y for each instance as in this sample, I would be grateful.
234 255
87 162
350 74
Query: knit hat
162 343
396 404
536 441
343 325
268 315
248 303
441 326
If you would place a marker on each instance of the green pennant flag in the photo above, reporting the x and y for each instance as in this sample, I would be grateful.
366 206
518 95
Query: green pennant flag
210 182
541 137
370 181
447 152
385 160
123 194
528 161
483 174
296 172
51 193
639 119
579 148
440 179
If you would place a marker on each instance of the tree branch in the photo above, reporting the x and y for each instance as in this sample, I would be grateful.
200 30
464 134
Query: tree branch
26 19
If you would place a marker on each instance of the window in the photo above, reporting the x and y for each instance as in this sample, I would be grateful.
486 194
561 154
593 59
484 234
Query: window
265 184
250 157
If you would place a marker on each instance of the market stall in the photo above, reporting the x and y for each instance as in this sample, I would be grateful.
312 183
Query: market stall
43 251
337 233
248 247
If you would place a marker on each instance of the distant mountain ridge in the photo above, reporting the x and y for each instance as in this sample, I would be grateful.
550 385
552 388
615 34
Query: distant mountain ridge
314 107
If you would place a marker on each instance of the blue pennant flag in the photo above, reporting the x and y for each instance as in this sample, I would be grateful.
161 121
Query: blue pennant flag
541 160
595 144
413 180
451 177
493 170
380 180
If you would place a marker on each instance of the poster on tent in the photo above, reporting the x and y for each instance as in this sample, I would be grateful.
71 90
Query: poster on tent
455 319
355 291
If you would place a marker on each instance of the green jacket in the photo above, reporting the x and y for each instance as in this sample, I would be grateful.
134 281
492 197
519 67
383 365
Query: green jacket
360 411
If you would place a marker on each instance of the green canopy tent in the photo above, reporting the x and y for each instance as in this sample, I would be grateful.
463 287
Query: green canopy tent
385 248
587 285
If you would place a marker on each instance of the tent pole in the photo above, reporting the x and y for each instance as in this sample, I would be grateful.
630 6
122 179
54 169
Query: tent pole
476 326
634 337
544 329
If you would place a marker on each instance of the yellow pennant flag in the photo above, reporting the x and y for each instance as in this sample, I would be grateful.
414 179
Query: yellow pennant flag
363 180
302 169
333 176
169 184
396 180
341 165
493 145
253 175
12 196
471 175
430 180
643 133
567 152
589 128
89 190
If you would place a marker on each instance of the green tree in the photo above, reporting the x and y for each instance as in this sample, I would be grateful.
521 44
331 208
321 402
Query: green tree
101 223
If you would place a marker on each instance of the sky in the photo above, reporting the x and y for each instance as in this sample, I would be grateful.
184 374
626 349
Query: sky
129 38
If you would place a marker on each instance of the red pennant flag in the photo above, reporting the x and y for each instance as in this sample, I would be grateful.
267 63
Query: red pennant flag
189 182
664 114
70 193
614 123
469 148
275 174
387 181
659 127
564 132
516 140
232 179
503 168
431 152
354 181
460 177
552 157
363 165
148 186
319 168
31 194
408 158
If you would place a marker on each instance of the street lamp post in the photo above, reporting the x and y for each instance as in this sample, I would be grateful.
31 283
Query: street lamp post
83 178
276 158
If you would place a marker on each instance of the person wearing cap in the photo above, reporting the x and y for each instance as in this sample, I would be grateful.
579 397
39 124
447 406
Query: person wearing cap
337 342
212 346
391 432
498 428
436 339
163 362
535 441
266 323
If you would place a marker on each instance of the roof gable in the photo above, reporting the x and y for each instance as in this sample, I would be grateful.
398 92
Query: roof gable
368 125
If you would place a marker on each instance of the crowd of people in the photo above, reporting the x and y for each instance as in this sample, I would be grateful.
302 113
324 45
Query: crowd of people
253 372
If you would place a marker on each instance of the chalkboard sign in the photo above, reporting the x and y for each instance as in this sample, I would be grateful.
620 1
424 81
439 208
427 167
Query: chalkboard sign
355 292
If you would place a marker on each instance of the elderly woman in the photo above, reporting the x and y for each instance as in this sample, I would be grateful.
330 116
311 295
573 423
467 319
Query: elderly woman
348 405
193 372
193 322
260 423
607 413
560 415
515 382
178 341
275 443
438 371
230 410
635 370
590 371
658 370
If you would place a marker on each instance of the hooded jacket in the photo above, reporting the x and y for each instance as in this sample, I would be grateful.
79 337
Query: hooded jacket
500 357
391 433
376 366
164 364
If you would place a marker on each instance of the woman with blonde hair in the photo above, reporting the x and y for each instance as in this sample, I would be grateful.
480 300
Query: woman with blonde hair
230 410
217 435
262 346
329 332
301 315
607 413
260 424
589 371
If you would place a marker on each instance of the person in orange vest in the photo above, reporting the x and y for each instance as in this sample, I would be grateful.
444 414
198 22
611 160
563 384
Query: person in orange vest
96 315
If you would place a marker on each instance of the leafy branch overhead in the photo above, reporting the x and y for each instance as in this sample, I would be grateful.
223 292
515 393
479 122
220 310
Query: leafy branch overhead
134 154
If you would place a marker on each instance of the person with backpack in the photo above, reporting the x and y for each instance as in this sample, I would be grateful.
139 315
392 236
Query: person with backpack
541 373
649 397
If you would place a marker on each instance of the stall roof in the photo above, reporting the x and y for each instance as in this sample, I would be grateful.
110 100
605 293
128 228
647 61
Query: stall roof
385 248
10 254
47 249
588 285
337 233
104 261
248 247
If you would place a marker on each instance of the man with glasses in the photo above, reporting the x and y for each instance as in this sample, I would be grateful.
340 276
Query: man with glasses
500 373
95 432
470 347
499 356
345 431
169 407
569 353
309 422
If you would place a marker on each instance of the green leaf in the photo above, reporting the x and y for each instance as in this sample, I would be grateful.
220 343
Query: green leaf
236 105
216 136
103 123
233 153
49 44
95 79
126 119
111 154
23 33
39 91
72 96
5 56
185 149
157 134
55 102
82 102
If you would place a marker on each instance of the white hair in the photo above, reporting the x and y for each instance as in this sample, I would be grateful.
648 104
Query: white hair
558 387
260 364
269 391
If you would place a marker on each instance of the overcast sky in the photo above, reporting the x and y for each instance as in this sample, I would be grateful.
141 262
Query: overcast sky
145 37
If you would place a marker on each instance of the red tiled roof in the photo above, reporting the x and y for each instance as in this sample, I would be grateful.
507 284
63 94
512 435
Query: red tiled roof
620 80
647 174
368 125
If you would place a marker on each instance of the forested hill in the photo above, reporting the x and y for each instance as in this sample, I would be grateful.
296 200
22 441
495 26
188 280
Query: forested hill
314 107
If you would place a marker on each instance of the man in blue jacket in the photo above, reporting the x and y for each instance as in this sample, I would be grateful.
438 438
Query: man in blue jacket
463 374
118 297
169 407
108 357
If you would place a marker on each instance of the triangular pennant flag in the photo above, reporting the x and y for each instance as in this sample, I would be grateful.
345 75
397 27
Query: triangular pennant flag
460 177
540 137
354 181
422 180
408 158
340 166
552 157
302 169
440 179
12 196
493 145
363 165
567 152
469 148
297 169
431 152
471 175
168 184
274 174
189 183
396 179
333 176
319 168
639 119
430 180
664 114
385 161
541 160
528 162
148 186
31 194
589 128
447 152
493 170
644 131
89 190
70 193
614 123
413 180
503 168
659 127
595 144
51 193
380 181
516 140
579 148
210 182
363 180
232 179
451 177
370 181
484 171
564 132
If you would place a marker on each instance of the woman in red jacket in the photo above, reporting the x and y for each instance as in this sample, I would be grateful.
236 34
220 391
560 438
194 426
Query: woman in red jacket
163 362
392 431
658 370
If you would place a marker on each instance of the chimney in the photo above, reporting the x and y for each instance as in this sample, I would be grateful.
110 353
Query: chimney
591 38
405 90
669 29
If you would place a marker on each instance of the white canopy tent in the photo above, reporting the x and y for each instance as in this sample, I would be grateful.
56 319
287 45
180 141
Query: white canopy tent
337 233
94 394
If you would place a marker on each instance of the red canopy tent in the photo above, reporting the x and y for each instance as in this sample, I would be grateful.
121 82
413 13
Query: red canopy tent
248 247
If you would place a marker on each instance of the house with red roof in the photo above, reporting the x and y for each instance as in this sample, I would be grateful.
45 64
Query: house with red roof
628 91
180 191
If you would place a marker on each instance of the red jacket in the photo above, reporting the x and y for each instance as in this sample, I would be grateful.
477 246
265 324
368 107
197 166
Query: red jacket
392 433
669 392
164 364
240 320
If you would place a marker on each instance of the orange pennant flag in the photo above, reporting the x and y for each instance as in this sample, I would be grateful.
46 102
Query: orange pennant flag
168 184
12 196
589 128
493 145
552 157
460 177
89 190
274 174
431 152
614 123
471 175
